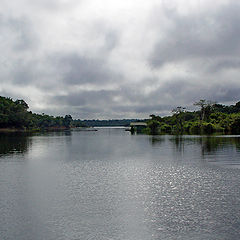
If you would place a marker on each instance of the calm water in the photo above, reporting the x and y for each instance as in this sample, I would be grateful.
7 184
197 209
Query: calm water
109 185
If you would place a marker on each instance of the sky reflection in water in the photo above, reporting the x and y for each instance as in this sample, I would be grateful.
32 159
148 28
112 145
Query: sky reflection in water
111 185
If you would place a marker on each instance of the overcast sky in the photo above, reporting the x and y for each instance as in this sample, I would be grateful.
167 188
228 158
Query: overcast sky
119 58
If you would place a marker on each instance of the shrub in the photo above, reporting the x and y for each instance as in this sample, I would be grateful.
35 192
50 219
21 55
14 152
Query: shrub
235 126
165 128
195 128
208 128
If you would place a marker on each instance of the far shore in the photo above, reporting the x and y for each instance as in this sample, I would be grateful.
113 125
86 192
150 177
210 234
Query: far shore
15 130
12 130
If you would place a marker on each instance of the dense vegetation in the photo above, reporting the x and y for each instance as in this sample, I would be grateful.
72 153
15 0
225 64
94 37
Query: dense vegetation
104 123
15 114
210 118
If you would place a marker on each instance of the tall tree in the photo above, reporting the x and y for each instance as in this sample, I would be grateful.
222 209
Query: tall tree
178 112
67 121
205 107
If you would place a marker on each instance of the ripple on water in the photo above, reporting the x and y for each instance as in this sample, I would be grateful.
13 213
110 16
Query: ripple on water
112 185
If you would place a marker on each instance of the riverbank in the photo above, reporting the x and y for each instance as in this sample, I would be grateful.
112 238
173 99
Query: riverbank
6 130
21 130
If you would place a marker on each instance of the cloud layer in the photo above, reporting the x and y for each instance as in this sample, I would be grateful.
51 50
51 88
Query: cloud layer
119 59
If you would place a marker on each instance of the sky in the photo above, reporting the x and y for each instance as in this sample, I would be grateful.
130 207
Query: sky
113 59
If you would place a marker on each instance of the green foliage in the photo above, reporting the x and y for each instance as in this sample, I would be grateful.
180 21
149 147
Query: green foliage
78 123
227 109
208 128
103 123
67 121
165 128
235 125
14 114
179 118
189 116
153 126
211 118
195 128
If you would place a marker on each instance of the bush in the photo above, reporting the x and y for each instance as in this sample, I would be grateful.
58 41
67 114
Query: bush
195 128
187 127
235 126
208 128
165 128
153 126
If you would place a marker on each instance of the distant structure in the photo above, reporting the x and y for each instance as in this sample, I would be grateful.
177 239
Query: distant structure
137 126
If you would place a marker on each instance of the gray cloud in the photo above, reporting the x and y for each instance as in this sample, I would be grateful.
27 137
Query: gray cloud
224 64
54 5
187 93
83 98
143 108
207 35
111 40
19 31
97 61
79 70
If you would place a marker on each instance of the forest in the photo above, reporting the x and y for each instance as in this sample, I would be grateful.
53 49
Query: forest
105 123
15 115
210 118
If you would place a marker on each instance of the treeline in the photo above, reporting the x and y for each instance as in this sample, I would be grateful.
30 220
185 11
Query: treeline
210 118
15 115
104 123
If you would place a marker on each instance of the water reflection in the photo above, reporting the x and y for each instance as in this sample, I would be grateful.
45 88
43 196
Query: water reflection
11 143
156 140
179 143
54 133
213 144
207 144
111 185
19 143
222 149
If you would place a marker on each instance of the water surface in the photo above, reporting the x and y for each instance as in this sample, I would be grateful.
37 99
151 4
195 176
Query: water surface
112 185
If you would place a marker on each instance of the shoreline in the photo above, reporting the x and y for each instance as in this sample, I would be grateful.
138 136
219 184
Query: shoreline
6 130
19 130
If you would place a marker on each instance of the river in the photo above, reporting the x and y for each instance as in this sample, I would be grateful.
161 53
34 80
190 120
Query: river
111 185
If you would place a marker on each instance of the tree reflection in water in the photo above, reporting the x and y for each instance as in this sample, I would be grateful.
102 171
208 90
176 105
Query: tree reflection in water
11 143
207 145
